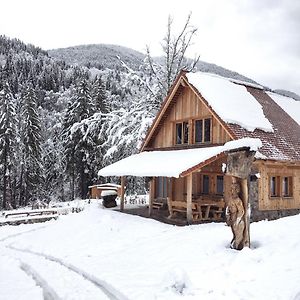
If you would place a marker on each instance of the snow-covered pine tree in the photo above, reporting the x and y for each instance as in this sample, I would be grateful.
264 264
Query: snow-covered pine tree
78 143
99 96
7 144
31 173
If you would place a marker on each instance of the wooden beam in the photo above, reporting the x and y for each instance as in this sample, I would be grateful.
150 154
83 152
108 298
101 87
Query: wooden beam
122 193
170 196
151 195
189 187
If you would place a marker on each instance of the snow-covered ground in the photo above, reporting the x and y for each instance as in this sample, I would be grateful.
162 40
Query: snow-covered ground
103 254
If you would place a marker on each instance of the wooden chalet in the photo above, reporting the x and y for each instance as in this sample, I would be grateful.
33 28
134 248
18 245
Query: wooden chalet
206 134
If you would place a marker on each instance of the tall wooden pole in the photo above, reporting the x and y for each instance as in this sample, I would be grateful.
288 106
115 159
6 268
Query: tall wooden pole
189 193
122 193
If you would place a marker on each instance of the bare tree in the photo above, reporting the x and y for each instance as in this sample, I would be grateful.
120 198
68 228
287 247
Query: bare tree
174 56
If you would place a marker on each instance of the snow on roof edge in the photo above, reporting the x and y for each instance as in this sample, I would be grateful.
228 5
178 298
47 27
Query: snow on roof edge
162 163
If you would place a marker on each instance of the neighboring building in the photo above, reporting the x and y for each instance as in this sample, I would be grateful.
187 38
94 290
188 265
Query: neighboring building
207 122
96 190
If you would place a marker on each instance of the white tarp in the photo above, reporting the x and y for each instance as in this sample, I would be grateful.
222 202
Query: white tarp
171 163
232 102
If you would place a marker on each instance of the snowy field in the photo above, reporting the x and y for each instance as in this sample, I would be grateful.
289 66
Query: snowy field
103 254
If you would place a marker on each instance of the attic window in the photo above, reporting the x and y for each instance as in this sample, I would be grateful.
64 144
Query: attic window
182 133
202 131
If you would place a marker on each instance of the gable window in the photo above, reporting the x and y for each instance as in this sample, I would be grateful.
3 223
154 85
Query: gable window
287 186
207 125
198 131
202 130
182 133
220 185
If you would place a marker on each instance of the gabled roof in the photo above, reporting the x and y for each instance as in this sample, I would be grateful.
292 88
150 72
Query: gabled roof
176 89
243 109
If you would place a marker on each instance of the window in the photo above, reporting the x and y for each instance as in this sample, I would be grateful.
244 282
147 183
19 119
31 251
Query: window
205 184
281 186
182 133
161 187
207 130
198 131
220 185
202 131
274 186
287 186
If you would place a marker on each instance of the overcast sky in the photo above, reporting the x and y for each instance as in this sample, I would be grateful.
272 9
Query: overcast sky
257 38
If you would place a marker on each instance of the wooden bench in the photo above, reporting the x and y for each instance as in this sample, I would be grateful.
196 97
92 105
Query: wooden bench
181 207
30 216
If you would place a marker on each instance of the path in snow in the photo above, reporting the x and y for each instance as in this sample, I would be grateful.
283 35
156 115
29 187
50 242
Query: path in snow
57 278
48 292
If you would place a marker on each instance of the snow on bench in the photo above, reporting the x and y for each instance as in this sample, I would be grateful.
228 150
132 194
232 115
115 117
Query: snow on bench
28 216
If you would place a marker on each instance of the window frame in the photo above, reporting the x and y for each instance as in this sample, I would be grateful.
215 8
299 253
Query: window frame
184 138
216 190
203 136
279 187
289 186
212 184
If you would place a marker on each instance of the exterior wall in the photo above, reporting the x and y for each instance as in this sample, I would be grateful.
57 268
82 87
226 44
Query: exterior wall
187 107
95 193
178 189
265 207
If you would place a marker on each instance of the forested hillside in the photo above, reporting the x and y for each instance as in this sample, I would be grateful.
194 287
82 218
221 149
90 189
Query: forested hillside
58 123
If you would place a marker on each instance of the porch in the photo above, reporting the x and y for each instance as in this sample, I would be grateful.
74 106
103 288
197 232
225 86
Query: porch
197 197
190 184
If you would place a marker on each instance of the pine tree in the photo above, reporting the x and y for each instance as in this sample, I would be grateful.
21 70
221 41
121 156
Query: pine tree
99 96
7 143
32 152
78 143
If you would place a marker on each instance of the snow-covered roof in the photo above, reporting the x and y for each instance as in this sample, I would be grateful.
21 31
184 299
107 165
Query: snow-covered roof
231 100
172 163
289 105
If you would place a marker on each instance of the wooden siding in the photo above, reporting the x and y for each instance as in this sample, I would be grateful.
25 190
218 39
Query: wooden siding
186 106
267 169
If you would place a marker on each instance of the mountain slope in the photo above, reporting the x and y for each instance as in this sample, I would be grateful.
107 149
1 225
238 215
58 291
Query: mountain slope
106 56
99 56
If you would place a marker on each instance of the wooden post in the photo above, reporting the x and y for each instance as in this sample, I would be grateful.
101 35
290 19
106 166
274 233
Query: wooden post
151 195
245 199
122 193
189 187
170 196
